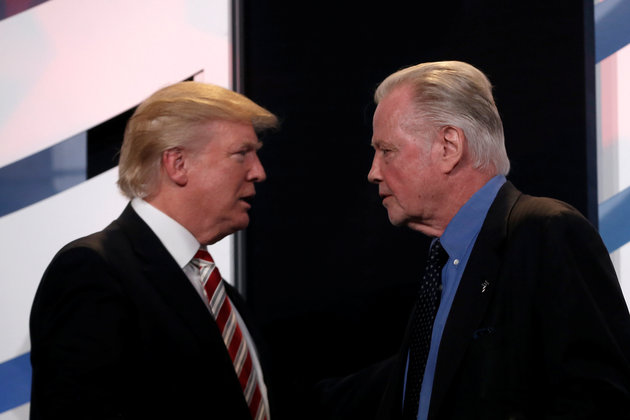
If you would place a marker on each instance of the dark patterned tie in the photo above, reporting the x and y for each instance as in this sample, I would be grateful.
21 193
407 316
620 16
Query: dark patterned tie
422 327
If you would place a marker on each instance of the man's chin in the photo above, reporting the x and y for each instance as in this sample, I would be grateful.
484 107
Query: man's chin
396 221
242 223
233 227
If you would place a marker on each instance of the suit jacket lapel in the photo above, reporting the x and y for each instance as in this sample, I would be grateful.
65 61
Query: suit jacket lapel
473 294
162 272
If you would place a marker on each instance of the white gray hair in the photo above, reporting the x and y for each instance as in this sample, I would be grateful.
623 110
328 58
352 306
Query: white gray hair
458 94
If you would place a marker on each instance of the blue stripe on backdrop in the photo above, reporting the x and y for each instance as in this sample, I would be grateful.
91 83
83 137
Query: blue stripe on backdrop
15 382
611 27
43 174
614 222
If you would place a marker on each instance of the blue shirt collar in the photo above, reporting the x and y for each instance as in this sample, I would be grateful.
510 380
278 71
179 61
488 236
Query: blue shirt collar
461 232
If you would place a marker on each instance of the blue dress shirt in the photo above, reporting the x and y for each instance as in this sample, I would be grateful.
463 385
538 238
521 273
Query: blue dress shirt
458 240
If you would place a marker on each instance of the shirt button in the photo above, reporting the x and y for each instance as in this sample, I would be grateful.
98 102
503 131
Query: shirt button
456 262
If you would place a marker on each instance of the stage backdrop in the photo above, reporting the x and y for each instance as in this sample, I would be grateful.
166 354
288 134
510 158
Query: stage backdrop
612 53
71 72
319 233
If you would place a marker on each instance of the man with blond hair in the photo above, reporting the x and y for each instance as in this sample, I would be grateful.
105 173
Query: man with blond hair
519 314
135 321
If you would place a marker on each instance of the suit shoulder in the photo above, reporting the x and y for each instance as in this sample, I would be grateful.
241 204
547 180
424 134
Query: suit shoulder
532 206
546 213
91 253
81 268
97 243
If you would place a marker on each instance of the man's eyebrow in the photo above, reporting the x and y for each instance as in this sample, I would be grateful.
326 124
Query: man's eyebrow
251 144
380 143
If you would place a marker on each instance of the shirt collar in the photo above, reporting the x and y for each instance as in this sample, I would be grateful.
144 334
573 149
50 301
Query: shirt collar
462 230
177 240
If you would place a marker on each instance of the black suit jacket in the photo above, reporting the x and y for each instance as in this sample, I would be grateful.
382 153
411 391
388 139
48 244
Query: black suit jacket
538 328
118 331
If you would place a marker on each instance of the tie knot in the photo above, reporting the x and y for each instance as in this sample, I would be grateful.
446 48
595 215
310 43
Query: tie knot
202 254
437 254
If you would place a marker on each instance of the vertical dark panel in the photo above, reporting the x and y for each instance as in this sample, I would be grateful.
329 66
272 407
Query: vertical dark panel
590 115
324 265
329 279
238 64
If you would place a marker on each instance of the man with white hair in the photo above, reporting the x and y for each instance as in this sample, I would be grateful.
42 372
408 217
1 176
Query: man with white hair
519 314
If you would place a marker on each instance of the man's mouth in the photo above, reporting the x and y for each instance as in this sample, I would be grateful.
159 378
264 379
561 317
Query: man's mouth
249 199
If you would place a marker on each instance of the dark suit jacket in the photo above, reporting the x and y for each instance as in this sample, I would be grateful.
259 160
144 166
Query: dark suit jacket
549 338
118 331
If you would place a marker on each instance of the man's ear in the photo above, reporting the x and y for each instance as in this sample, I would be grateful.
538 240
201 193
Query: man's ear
173 162
452 145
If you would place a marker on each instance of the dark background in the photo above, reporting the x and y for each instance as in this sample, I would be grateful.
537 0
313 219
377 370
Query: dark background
327 277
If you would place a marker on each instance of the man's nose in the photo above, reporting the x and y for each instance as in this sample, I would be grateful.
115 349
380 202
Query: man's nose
257 172
374 175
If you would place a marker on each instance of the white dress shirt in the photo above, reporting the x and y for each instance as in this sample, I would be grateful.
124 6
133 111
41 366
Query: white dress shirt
183 246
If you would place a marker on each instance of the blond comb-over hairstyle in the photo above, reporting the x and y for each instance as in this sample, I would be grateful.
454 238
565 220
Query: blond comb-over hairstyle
165 120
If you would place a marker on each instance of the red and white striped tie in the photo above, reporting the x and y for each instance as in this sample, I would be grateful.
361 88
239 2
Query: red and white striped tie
236 344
